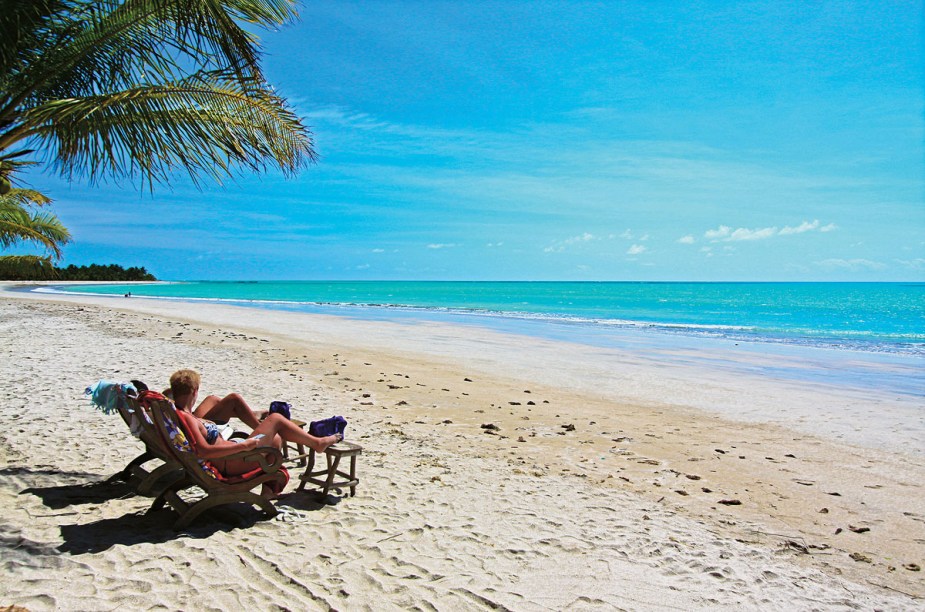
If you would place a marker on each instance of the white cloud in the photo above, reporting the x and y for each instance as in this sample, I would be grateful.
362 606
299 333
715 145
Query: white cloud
851 264
912 264
636 249
719 233
494 244
339 116
724 233
806 226
378 250
689 239
628 234
743 233
442 246
803 227
558 247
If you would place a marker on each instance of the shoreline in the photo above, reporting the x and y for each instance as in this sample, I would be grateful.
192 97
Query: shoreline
586 325
421 389
832 393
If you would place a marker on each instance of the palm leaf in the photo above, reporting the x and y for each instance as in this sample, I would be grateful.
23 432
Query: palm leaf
101 85
27 267
206 124
26 197
83 44
18 224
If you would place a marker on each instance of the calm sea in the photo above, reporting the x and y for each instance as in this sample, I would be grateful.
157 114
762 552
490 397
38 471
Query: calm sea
870 317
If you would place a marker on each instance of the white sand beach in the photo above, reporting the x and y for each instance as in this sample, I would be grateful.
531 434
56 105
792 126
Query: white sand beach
610 482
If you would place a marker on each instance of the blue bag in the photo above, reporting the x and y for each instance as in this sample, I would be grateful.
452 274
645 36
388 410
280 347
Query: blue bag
327 427
282 408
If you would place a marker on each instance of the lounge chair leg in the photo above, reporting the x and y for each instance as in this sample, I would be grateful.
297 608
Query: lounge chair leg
157 504
212 501
126 474
148 483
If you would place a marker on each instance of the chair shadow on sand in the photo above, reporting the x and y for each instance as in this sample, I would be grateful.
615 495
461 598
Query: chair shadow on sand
142 526
63 496
157 526
84 487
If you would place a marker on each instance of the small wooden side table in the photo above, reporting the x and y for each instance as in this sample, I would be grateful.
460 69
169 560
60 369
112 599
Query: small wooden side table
333 455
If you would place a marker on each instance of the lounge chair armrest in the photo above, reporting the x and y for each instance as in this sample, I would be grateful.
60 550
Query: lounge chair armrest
269 458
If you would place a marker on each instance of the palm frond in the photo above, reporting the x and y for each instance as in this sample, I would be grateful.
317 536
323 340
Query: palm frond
24 197
207 124
18 224
100 85
27 267
106 45
21 25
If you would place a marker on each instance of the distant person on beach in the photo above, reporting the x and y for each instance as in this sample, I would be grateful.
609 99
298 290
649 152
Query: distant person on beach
271 431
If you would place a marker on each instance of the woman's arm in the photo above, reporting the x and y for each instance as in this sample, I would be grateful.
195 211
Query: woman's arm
220 448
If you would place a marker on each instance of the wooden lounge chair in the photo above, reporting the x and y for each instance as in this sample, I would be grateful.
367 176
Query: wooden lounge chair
219 489
151 483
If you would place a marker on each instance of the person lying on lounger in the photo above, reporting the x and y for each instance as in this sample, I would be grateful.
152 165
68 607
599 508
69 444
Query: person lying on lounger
213 408
271 431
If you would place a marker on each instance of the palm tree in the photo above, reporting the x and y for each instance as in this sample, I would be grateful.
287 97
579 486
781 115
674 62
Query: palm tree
22 221
139 89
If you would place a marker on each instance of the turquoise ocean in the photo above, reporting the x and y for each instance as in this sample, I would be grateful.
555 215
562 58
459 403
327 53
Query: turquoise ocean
845 319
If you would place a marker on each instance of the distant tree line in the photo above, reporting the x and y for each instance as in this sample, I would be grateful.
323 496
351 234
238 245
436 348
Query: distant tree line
96 272
13 270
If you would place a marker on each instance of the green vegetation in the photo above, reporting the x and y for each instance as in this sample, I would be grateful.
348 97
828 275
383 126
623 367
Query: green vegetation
137 89
97 272
23 269
22 220
26 267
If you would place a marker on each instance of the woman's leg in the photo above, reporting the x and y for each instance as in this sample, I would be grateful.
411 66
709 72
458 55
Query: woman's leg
232 405
276 428
278 425
233 467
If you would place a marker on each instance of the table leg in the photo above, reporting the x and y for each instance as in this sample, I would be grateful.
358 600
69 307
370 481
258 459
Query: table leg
332 471
353 475
308 470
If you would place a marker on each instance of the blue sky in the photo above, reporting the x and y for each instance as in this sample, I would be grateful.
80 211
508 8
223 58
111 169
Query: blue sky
562 140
